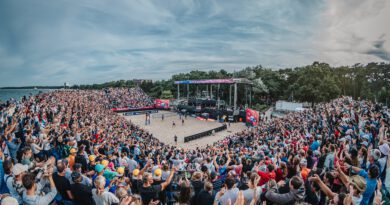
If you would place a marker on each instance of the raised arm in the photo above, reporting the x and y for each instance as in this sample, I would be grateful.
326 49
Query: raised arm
168 181
141 172
355 169
343 177
228 160
215 163
328 192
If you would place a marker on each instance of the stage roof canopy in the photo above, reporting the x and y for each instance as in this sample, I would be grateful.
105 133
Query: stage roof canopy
215 81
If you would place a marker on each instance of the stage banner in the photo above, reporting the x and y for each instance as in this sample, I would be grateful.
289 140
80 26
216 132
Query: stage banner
252 116
161 104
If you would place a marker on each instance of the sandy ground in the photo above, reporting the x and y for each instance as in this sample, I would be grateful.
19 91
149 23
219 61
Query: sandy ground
164 131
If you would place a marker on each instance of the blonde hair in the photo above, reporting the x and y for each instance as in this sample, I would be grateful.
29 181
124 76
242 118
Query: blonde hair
100 182
121 193
197 176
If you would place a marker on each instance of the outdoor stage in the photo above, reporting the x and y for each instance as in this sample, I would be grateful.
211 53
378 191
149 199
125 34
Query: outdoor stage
164 131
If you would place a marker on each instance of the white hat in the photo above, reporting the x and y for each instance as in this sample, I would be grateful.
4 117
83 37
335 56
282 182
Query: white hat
365 143
9 201
19 168
384 148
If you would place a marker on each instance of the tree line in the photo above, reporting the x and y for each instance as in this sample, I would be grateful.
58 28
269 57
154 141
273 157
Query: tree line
318 82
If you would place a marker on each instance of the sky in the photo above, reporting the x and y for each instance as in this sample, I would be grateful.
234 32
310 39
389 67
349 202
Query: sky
85 42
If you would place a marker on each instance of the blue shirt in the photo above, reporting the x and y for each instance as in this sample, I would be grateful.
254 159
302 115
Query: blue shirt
314 145
370 188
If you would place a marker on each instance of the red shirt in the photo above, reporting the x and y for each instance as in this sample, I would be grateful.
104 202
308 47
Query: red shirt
265 177
279 175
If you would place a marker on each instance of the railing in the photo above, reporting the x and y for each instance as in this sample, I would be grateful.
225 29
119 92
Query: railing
204 134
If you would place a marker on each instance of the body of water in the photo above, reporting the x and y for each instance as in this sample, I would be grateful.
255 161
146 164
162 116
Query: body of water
6 94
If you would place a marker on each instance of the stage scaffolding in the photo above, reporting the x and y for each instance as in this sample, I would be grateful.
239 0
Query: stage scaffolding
233 82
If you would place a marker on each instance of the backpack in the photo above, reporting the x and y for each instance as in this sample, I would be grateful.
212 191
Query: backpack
5 187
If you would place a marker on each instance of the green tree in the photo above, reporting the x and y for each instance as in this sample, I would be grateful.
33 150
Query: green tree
166 94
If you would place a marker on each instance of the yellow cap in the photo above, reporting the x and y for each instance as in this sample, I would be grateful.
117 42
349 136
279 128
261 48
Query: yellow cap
135 172
104 162
91 158
120 170
73 150
157 172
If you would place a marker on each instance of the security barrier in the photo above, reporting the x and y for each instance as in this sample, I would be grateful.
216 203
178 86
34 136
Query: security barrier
205 133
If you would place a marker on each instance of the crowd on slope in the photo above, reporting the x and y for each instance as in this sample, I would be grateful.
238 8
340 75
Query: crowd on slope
66 147
128 98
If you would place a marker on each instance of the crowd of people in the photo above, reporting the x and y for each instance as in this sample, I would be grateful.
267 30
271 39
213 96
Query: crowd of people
66 147
128 98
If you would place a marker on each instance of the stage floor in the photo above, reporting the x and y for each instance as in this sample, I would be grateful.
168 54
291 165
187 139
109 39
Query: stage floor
164 131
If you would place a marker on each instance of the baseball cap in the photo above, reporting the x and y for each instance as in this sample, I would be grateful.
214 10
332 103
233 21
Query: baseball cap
91 158
104 162
73 150
135 172
99 168
157 173
120 171
19 168
109 174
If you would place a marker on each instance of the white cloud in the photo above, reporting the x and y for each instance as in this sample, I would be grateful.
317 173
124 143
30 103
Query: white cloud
350 29
96 41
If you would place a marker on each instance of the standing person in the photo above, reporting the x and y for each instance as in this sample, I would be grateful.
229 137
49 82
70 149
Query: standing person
182 121
173 124
100 195
72 158
162 117
62 184
371 181
82 193
229 191
296 193
16 186
31 196
175 138
13 146
252 188
206 195
150 192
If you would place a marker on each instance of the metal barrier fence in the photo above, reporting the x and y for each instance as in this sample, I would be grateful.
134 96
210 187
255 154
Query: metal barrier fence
141 112
203 134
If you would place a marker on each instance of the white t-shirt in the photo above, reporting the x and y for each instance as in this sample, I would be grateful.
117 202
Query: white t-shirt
249 193
35 148
107 198
229 194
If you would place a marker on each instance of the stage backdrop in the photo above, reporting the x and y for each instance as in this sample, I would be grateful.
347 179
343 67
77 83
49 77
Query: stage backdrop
252 116
161 104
